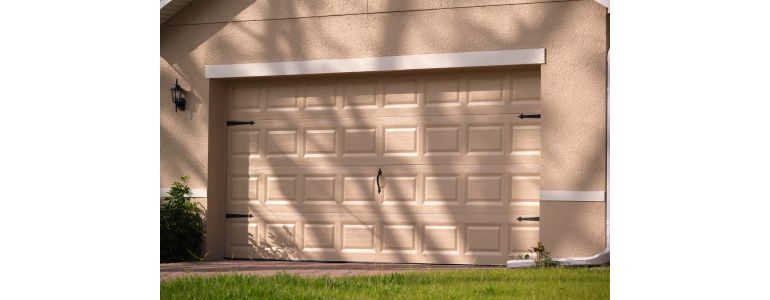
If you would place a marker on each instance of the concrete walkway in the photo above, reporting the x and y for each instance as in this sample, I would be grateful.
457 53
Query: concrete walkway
296 267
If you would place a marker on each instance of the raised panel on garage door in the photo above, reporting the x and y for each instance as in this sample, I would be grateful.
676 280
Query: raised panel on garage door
459 167
451 139
437 93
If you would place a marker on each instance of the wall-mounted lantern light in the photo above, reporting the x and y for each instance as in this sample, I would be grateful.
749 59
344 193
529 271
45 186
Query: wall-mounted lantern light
177 96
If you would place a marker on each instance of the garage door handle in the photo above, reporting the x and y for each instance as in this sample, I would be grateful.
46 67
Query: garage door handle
528 219
379 174
233 216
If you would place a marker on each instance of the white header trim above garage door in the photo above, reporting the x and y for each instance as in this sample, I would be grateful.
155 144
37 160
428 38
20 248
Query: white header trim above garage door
385 63
196 193
572 195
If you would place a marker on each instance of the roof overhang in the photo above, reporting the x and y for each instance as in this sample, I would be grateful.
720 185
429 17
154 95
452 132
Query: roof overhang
605 3
169 8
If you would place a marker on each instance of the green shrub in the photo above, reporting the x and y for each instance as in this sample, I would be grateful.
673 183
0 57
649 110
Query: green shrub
541 257
181 225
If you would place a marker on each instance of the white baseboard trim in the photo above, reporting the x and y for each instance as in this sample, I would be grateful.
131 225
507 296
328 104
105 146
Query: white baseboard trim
591 196
384 63
196 193
524 263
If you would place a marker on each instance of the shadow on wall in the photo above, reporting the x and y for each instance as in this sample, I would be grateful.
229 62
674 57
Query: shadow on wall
182 150
180 157
393 34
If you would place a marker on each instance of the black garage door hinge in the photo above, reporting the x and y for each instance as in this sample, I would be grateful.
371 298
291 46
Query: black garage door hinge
528 219
235 123
532 116
232 216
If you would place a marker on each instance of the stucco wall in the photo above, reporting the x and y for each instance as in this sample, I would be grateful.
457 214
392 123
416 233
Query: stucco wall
572 229
240 31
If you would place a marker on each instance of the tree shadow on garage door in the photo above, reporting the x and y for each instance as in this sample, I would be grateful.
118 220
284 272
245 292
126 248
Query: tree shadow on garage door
280 245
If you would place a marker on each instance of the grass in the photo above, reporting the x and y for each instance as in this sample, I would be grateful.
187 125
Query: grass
551 283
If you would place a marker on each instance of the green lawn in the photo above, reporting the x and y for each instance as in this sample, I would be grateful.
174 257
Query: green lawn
552 283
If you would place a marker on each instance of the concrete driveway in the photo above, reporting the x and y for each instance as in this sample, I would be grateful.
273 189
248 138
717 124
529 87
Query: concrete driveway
255 267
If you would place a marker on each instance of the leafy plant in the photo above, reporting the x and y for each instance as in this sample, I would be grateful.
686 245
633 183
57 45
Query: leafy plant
181 225
542 257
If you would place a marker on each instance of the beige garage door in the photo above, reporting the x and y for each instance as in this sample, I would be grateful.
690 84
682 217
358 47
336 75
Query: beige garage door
458 167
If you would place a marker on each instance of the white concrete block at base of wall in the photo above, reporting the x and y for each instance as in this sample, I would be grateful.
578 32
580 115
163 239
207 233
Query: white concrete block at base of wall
522 263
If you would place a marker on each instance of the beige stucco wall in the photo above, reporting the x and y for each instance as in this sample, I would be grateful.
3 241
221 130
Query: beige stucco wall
573 78
572 229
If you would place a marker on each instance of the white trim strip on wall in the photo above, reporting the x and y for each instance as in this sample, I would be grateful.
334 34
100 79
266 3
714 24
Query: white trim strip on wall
572 195
196 193
385 63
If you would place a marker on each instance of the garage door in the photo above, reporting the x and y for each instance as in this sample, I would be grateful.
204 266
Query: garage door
423 167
